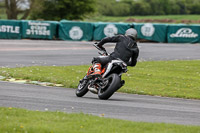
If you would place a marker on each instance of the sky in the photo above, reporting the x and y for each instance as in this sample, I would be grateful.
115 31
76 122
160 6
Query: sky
23 5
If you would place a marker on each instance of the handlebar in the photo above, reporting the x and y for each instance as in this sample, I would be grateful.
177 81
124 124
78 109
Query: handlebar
103 50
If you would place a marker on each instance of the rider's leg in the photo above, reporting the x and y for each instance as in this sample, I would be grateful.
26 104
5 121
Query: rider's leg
98 62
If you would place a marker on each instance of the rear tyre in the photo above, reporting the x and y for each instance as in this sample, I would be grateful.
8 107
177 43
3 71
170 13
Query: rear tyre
113 85
82 88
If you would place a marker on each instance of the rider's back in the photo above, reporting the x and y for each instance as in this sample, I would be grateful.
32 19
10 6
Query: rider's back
126 47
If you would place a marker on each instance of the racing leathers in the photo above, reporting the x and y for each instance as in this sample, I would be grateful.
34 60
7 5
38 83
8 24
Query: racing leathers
126 49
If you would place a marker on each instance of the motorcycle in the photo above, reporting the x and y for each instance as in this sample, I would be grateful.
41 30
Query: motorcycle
106 85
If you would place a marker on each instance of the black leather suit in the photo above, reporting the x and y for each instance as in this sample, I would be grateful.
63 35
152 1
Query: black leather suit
126 49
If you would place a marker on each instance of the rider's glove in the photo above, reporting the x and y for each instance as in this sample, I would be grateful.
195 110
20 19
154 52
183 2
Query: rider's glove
100 46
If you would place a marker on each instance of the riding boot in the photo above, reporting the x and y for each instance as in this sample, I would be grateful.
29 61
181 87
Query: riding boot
97 70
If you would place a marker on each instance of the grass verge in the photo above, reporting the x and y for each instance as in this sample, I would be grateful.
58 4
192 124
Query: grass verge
163 78
24 121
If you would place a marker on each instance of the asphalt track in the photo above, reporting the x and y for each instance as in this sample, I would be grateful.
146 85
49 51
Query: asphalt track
17 53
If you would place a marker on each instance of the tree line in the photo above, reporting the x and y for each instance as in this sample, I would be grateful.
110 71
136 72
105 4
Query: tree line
47 9
78 9
148 7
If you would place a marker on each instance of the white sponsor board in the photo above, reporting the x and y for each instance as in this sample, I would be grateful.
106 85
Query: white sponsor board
148 30
110 30
184 33
38 28
9 29
76 33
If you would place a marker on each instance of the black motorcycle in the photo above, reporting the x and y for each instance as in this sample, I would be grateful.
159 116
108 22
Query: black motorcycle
106 85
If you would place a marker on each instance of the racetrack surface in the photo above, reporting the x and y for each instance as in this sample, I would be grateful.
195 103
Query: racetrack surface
15 53
122 106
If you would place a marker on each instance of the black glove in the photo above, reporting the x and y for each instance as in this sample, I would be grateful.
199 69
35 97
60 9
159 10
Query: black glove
100 46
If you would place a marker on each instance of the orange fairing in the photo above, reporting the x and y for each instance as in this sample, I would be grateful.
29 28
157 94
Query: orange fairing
103 71
90 70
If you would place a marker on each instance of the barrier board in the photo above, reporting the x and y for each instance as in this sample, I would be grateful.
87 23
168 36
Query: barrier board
73 30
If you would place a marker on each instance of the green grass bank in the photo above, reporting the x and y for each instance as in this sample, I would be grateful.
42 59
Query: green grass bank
162 78
173 18
24 121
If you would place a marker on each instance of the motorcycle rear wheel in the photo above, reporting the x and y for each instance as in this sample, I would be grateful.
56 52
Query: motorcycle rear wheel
112 86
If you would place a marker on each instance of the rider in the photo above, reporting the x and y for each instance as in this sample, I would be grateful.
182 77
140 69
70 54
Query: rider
126 49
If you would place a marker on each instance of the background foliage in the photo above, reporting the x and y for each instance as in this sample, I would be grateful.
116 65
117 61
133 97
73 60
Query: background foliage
147 7
79 9
62 9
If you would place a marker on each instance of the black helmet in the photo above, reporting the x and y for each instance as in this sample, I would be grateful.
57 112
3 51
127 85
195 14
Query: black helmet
131 32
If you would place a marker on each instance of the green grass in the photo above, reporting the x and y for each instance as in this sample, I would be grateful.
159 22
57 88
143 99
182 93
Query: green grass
178 18
24 121
163 78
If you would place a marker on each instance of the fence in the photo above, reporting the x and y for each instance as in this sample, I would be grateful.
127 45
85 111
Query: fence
74 30
39 29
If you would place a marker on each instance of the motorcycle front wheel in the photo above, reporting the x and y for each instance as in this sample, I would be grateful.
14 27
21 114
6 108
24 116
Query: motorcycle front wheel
82 88
113 84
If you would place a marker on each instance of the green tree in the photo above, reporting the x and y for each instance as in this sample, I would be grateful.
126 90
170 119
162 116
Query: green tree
121 9
158 7
141 8
193 6
16 7
113 8
183 6
147 7
62 9
105 7
174 8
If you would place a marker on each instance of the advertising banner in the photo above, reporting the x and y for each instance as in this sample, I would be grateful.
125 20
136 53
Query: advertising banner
152 32
39 29
10 29
109 29
77 31
183 33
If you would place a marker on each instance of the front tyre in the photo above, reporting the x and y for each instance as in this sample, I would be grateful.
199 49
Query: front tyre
82 88
113 84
